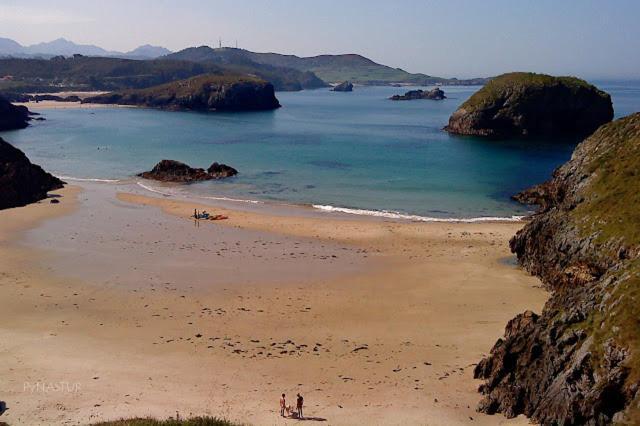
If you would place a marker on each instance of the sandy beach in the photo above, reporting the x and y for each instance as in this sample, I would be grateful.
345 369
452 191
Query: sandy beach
44 105
116 303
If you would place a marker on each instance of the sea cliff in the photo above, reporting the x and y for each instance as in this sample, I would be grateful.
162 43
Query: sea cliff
527 104
22 182
13 117
578 362
202 93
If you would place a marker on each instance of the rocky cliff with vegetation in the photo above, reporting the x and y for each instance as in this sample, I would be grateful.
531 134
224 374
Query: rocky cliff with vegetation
578 361
21 182
202 93
528 104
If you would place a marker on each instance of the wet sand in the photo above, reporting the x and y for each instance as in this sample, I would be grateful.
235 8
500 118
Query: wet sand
141 311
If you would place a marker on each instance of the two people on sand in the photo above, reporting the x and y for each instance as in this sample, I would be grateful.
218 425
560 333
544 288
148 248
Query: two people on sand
289 410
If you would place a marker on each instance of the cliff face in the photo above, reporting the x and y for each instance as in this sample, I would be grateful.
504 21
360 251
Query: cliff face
21 182
11 116
527 104
202 93
578 362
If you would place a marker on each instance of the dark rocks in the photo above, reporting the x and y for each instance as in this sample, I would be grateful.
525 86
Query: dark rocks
221 171
56 98
345 86
13 117
175 171
578 362
202 93
528 104
435 94
21 182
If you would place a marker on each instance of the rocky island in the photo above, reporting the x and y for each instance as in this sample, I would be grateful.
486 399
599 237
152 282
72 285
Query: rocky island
13 117
22 182
578 362
175 171
435 94
208 92
345 86
528 104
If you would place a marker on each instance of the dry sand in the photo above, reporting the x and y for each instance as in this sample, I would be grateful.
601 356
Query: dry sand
131 308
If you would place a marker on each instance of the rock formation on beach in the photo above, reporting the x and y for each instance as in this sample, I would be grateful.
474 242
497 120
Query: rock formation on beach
345 86
13 116
175 171
528 104
435 94
21 182
578 362
203 93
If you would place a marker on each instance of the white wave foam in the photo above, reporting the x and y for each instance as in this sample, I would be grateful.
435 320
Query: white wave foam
148 188
232 199
397 215
71 178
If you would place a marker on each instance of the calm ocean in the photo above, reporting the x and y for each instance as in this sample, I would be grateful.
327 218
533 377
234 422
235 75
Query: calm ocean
344 150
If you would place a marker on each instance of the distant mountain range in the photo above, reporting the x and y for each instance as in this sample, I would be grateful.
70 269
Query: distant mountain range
64 47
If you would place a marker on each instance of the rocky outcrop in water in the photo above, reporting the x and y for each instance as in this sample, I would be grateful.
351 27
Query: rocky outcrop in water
527 104
175 171
201 93
13 117
345 86
578 362
435 94
21 182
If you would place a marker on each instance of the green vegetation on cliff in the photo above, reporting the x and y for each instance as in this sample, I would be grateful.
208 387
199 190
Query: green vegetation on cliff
526 104
612 207
578 362
611 211
519 82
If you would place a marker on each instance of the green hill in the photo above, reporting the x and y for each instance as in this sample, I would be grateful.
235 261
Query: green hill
94 73
330 68
86 73
237 61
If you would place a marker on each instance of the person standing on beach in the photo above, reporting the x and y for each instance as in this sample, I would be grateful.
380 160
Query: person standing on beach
299 403
283 405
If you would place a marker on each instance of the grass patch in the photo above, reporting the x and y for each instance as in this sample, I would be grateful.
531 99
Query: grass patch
519 82
611 208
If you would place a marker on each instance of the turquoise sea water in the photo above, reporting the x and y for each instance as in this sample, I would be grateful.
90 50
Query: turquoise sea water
353 150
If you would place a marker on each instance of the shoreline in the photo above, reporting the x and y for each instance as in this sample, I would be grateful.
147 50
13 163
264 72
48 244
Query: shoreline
384 319
293 208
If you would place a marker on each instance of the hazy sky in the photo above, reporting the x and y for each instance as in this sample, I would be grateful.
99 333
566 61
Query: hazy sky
448 38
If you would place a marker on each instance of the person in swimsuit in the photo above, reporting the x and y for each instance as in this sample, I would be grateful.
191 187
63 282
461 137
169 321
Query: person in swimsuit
299 403
283 405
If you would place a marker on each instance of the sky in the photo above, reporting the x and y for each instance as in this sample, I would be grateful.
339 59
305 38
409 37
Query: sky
448 38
